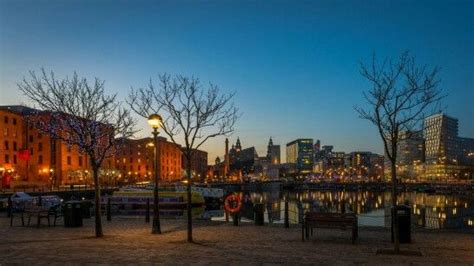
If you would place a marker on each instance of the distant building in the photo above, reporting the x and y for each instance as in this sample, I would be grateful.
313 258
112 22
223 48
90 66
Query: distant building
441 138
365 164
134 160
410 155
300 153
448 156
242 161
273 152
198 165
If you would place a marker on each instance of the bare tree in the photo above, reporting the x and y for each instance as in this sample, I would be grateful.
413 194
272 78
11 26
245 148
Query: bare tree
401 95
191 112
81 114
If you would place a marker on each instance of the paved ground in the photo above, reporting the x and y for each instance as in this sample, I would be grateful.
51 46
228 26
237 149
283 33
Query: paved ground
128 241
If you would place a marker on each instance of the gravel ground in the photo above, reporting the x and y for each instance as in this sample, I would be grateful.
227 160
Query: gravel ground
128 241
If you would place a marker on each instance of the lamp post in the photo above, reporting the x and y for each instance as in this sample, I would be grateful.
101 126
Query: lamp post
155 121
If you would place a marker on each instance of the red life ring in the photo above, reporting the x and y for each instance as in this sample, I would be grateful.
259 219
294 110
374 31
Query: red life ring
232 208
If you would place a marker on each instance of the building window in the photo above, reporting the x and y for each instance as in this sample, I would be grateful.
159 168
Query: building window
7 159
14 146
14 121
31 138
5 119
139 168
31 151
80 160
69 160
6 145
68 148
14 159
40 146
40 159
131 160
40 135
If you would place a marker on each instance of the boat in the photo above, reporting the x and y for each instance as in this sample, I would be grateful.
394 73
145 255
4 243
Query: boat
167 199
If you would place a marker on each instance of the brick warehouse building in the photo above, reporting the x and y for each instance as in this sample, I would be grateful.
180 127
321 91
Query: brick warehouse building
29 158
134 160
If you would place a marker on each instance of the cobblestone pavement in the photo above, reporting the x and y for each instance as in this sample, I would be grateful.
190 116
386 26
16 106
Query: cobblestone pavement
129 241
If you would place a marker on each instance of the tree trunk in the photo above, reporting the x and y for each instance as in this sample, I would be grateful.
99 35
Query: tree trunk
396 233
189 205
98 219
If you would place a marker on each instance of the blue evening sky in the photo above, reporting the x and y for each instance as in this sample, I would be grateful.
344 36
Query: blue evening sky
293 64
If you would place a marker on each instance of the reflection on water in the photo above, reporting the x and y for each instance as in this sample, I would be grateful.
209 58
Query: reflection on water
372 208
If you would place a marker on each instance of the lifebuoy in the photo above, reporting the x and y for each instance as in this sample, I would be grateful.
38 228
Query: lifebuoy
232 208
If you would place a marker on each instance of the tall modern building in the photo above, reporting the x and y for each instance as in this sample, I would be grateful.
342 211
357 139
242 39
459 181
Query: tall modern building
273 152
411 148
441 138
300 153
447 154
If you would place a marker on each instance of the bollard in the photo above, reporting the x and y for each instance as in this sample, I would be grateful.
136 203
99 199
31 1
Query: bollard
287 219
10 206
147 213
109 215
235 219
259 210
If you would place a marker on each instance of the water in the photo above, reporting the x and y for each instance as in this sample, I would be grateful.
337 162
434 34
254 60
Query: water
372 208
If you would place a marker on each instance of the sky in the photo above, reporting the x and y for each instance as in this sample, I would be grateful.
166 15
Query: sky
294 65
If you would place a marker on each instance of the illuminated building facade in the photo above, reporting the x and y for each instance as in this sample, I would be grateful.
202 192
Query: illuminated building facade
300 153
30 158
134 160
198 165
448 156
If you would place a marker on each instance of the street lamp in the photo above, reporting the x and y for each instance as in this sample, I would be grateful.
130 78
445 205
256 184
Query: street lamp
155 122
51 178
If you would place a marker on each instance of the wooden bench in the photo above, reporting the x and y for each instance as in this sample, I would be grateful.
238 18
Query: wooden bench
38 212
341 221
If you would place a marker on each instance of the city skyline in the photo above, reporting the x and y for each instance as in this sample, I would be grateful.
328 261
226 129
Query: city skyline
294 67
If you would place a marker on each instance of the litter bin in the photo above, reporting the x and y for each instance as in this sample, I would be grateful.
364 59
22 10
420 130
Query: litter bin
72 214
259 209
86 206
403 213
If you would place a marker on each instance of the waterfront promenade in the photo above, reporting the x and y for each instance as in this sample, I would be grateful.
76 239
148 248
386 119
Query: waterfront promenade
128 241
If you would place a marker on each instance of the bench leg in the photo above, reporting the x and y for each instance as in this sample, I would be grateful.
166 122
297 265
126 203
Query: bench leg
307 232
49 222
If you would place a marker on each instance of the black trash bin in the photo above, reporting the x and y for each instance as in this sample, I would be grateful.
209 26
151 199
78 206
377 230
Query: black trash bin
72 214
403 213
259 210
